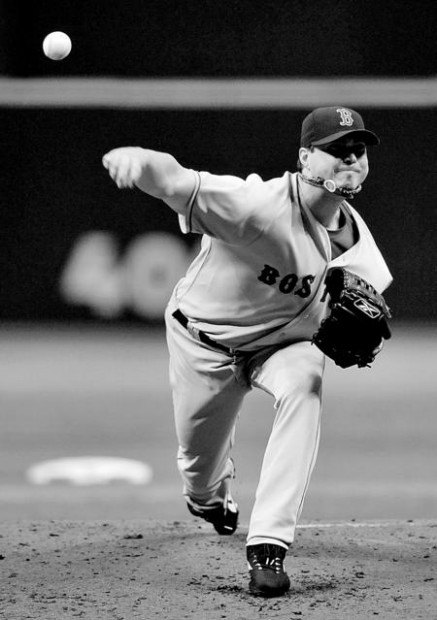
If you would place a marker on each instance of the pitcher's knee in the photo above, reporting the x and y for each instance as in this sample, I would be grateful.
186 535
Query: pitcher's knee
299 383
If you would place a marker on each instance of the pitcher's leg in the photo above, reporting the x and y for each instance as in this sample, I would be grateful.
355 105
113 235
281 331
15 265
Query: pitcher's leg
293 376
205 428
207 399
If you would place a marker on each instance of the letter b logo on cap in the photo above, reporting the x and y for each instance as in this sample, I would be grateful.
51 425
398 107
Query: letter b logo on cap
346 117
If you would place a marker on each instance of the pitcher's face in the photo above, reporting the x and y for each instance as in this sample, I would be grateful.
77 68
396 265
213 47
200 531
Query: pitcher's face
344 161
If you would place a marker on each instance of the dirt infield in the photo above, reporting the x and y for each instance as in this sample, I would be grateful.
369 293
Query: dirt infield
120 570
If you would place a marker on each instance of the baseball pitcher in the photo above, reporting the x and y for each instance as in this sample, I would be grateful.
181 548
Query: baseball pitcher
288 273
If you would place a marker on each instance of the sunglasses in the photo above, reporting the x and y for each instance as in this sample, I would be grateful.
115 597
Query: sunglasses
342 151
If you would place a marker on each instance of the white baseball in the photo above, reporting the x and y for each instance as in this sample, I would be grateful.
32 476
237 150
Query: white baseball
57 45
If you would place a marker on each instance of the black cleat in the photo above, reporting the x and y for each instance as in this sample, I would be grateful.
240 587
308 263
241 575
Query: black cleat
224 517
266 570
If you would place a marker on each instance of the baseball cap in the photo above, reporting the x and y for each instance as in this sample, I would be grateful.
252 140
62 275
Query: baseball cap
325 125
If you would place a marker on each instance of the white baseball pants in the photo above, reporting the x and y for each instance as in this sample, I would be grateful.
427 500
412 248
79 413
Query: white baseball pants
208 390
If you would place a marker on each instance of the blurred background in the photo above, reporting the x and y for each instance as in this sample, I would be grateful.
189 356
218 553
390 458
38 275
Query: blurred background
86 269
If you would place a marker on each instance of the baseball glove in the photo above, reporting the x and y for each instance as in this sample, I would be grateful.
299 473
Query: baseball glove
353 333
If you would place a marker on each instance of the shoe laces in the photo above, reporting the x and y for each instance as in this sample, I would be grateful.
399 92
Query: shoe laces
267 558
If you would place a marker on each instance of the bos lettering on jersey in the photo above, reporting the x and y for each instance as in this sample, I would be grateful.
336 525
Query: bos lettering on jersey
289 283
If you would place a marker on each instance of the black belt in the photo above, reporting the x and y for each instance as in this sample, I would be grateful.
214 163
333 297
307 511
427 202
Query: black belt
200 335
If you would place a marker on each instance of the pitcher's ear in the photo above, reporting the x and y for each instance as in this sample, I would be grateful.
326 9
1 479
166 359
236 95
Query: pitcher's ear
303 156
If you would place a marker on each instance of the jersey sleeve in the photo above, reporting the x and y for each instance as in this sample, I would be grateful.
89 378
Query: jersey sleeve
227 207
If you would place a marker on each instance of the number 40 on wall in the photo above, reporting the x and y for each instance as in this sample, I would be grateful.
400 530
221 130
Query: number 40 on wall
141 279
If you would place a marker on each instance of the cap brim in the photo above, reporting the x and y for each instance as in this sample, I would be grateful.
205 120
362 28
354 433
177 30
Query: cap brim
368 137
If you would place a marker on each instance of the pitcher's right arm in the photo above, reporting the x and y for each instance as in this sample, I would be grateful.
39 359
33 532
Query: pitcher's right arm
155 173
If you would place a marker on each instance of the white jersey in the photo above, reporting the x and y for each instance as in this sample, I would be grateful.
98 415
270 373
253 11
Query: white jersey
259 277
